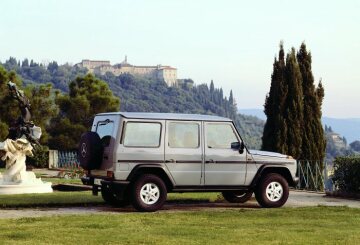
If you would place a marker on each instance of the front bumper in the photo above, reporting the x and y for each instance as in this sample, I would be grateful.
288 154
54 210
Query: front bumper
296 180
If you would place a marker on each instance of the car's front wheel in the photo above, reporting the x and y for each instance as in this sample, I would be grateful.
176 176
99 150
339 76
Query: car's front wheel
148 193
237 196
272 191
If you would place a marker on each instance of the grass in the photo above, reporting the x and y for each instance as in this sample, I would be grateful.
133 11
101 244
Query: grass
315 225
56 181
55 199
85 198
311 225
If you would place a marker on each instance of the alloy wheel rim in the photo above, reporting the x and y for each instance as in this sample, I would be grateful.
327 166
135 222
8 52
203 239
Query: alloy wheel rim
274 191
149 193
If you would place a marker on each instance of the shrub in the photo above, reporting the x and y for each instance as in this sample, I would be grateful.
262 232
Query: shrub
347 173
40 158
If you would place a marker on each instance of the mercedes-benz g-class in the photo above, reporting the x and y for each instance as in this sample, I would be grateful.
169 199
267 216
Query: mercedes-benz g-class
138 158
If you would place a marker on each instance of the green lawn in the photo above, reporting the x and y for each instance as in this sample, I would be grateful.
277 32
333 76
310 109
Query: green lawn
85 198
56 181
313 225
55 199
317 225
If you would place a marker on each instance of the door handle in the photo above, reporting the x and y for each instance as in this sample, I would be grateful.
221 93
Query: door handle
210 161
170 161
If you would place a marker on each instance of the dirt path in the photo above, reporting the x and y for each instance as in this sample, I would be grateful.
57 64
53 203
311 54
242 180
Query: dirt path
296 199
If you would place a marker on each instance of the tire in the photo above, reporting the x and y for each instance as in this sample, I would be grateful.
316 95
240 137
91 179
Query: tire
237 196
272 191
148 193
113 199
90 151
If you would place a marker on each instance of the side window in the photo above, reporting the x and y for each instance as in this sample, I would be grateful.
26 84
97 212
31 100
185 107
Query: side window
105 130
220 136
183 135
142 134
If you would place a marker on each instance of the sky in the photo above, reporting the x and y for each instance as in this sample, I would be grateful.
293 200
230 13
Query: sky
230 42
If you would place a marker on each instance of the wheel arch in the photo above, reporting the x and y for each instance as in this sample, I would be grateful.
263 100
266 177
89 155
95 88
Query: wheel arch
155 169
277 169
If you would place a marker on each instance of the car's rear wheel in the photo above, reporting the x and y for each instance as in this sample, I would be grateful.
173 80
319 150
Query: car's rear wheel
148 193
114 199
237 196
272 191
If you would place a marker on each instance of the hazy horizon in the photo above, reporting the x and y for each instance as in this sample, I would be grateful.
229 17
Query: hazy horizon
231 42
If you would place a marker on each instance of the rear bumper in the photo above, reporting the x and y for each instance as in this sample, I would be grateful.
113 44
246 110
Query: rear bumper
115 186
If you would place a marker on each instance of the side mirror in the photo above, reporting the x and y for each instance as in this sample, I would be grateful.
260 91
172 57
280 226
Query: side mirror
238 146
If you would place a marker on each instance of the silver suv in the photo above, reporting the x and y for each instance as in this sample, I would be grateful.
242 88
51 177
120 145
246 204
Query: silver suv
138 158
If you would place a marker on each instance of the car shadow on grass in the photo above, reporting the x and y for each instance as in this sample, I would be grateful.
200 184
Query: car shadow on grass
185 205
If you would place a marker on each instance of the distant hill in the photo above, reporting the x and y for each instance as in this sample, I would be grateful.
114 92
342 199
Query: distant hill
259 113
348 127
147 95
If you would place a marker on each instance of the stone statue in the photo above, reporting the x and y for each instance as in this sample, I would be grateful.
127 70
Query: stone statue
22 126
23 136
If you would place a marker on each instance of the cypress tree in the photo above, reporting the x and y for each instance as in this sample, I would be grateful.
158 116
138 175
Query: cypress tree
321 145
275 130
231 98
293 106
212 89
313 146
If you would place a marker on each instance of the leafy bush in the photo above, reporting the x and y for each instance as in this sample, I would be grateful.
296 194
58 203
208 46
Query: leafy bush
40 158
347 173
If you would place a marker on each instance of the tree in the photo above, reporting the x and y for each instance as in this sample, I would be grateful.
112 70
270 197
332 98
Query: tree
275 129
313 147
43 107
293 106
25 63
87 97
52 66
42 104
9 110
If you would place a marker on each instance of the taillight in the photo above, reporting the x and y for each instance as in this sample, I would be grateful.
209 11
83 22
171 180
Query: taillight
110 174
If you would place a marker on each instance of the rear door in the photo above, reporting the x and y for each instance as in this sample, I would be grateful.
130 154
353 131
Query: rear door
223 166
183 152
106 127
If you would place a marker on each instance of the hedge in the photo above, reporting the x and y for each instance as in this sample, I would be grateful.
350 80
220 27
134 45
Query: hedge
347 173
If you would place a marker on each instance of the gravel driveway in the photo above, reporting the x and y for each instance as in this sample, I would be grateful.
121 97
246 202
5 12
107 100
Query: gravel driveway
296 199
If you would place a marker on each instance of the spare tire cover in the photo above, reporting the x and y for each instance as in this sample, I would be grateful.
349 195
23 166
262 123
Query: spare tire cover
90 151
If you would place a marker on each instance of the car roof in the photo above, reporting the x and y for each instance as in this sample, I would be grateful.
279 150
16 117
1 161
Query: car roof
168 116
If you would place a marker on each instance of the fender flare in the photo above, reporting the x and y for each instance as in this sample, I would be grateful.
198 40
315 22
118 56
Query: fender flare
279 169
152 168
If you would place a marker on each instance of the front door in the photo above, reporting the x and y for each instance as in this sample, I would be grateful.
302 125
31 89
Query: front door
183 152
223 165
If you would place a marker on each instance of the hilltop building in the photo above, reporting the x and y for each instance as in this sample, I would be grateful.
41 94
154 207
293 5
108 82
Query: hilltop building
338 140
167 74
